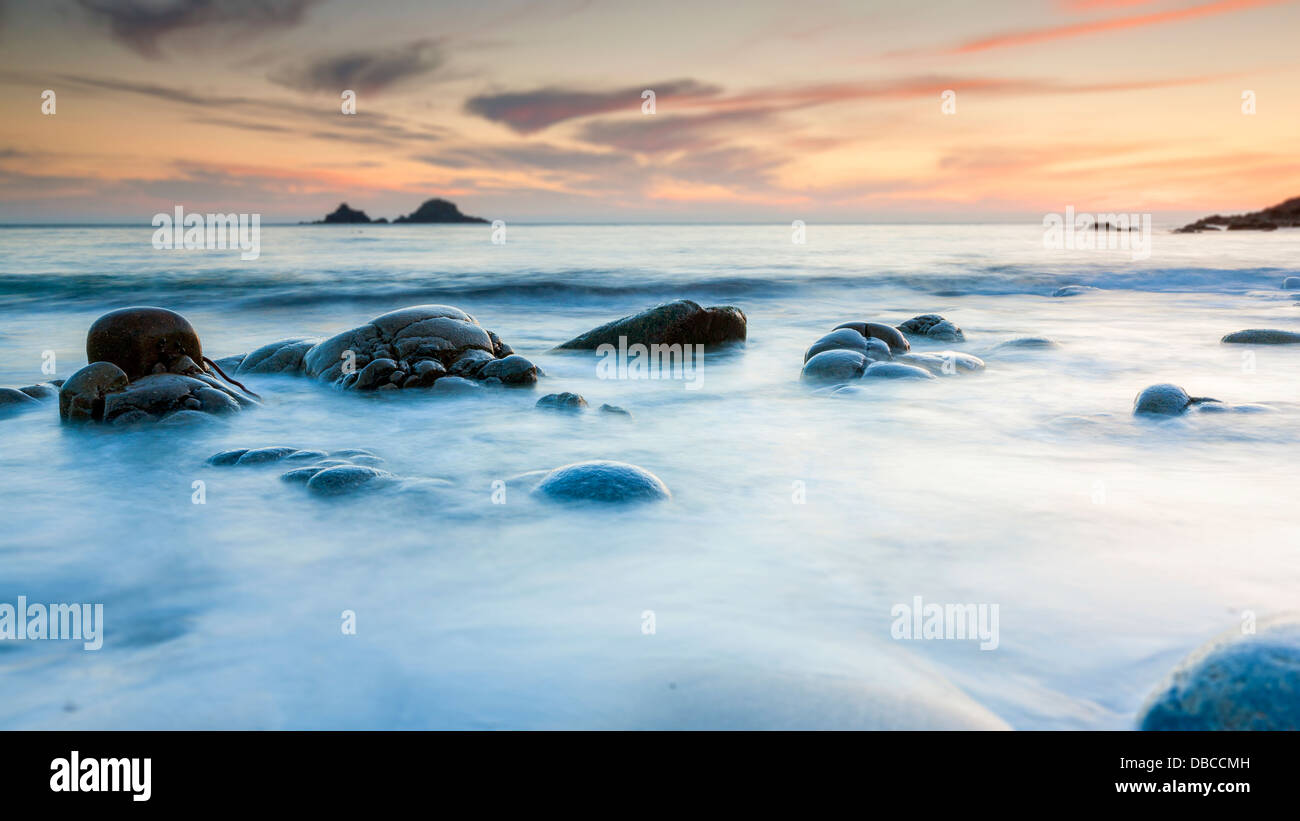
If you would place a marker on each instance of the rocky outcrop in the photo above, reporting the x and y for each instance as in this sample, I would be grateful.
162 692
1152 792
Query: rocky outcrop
858 350
1237 682
344 215
674 323
437 210
1282 215
144 367
421 346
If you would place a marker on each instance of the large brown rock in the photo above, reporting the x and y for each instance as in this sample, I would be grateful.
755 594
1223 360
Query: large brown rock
674 323
140 339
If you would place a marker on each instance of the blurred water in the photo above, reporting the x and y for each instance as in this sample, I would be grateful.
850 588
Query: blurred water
1111 546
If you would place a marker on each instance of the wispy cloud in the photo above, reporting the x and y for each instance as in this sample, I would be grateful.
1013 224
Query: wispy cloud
527 112
139 25
364 71
1039 35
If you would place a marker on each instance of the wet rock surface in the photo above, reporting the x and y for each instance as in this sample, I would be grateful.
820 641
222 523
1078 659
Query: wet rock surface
415 347
1262 336
682 322
932 326
1241 682
602 482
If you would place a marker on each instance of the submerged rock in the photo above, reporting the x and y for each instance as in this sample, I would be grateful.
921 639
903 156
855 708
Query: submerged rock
1026 343
602 481
14 401
1162 400
336 481
835 366
849 340
896 370
1073 290
943 363
1291 284
1242 682
161 394
932 326
1262 336
569 402
674 323
283 356
888 334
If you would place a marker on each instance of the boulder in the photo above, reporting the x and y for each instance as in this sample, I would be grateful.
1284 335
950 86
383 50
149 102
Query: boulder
512 370
140 340
1162 400
1291 284
1238 682
674 323
567 402
896 370
81 399
932 326
336 481
284 356
14 401
602 482
1262 336
160 394
845 339
885 333
835 366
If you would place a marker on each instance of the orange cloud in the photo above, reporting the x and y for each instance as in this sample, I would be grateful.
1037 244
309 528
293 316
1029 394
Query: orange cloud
1025 37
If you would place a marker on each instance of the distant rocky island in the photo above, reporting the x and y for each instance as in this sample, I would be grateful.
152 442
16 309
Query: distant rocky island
1282 215
436 210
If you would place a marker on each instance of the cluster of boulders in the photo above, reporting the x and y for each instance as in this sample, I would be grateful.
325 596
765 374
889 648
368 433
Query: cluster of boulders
324 474
145 367
416 347
32 397
860 350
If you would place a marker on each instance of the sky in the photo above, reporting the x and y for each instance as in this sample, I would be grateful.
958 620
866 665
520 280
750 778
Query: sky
763 111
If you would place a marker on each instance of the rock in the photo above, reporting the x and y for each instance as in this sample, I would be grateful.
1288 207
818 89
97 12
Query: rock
343 214
262 456
674 323
180 418
886 333
284 356
1240 682
437 210
512 370
568 402
423 342
470 363
943 363
348 453
932 326
160 394
1262 336
602 481
336 481
42 392
455 384
1291 284
226 457
139 339
835 366
1162 400
1025 343
305 455
1073 290
13 400
896 370
1285 214
615 410
374 374
81 399
845 339
300 476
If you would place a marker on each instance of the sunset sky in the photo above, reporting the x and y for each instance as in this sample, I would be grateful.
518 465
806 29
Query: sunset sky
531 111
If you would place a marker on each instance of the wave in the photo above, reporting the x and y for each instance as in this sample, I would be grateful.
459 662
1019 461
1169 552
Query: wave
270 289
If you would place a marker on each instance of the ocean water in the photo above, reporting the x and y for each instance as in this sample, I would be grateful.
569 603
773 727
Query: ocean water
1111 546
